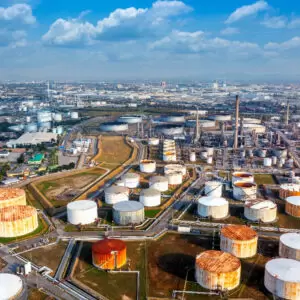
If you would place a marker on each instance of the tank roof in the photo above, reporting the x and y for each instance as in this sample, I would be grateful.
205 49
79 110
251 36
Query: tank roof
127 206
147 161
10 286
242 174
291 240
8 193
295 200
150 192
213 201
81 205
291 187
114 189
213 183
106 246
17 212
217 261
244 185
284 269
260 204
131 176
238 232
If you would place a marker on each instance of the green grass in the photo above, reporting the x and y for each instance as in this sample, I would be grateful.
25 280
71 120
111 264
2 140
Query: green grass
264 179
151 213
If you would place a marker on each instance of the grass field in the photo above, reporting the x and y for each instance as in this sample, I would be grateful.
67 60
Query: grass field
47 256
151 213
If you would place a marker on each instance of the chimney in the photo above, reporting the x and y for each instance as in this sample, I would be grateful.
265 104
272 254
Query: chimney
287 118
237 116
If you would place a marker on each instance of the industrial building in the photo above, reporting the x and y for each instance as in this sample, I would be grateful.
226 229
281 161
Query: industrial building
82 212
28 139
128 213
12 197
289 246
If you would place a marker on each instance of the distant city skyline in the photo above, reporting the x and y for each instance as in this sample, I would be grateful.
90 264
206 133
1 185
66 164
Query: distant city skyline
188 40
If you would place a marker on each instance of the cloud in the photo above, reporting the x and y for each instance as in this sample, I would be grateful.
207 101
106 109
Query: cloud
17 13
12 38
295 23
122 24
293 43
275 22
230 31
247 10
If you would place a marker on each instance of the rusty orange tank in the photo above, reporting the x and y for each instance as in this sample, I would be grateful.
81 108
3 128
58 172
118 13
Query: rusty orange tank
12 197
289 190
292 206
109 254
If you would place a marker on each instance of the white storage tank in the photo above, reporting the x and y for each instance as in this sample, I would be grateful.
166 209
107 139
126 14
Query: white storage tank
242 177
212 207
175 168
174 178
115 194
267 162
130 119
169 156
31 127
282 278
289 246
209 160
147 166
260 210
74 115
82 212
150 197
244 191
11 286
193 156
274 160
131 180
113 127
153 142
159 183
213 188
262 153
128 212
210 151
57 117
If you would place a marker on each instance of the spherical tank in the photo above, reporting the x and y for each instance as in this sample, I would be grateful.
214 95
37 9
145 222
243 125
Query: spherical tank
11 197
159 183
115 194
153 141
213 188
109 254
174 178
150 197
244 191
131 180
282 278
216 208
175 168
242 177
128 212
292 206
260 210
11 286
82 212
217 270
289 246
113 126
148 166
17 220
289 190
240 241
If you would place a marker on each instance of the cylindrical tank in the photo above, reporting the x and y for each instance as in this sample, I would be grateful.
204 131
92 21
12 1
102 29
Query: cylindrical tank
282 278
132 119
240 241
31 127
204 155
267 162
217 270
147 166
289 190
45 125
113 127
57 117
210 151
177 118
128 212
115 194
44 116
209 160
193 156
274 160
174 178
242 177
153 141
216 208
244 191
150 197
11 286
74 115
159 183
131 180
292 206
289 246
17 220
260 210
109 254
213 188
170 129
12 197
82 212
169 156
280 152
175 168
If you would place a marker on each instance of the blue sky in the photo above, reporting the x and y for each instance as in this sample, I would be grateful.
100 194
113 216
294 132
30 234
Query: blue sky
163 39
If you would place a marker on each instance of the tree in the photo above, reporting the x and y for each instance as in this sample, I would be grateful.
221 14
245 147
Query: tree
20 160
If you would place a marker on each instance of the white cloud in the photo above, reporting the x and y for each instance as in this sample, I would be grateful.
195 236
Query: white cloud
275 22
12 38
247 10
295 23
18 12
230 31
287 45
122 24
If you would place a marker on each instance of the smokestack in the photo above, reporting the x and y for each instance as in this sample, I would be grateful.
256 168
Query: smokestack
287 117
237 115
197 127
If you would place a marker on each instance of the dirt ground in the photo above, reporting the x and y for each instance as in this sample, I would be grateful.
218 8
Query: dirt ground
35 294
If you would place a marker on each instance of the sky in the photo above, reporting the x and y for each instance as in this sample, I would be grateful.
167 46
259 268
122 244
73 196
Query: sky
145 40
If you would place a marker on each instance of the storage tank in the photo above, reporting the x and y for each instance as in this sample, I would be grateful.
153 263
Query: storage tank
153 142
177 118
170 129
280 152
45 125
221 118
289 190
159 183
31 127
175 168
60 130
147 166
169 156
267 162
193 156
210 151
128 212
57 117
217 270
74 115
289 246
115 194
213 188
113 127
109 254
11 286
212 207
209 160
174 178
244 191
242 177
239 240
274 160
292 206
130 119
150 197
131 180
260 210
262 153
17 220
44 116
82 212
282 278
12 197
